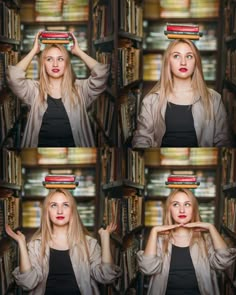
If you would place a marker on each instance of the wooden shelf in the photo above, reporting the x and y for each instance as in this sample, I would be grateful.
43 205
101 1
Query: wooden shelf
231 234
182 167
183 20
9 41
130 36
10 185
55 23
120 183
230 188
107 39
230 85
59 166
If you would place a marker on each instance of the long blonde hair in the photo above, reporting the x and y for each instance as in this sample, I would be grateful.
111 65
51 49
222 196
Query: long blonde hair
76 230
68 79
164 87
197 237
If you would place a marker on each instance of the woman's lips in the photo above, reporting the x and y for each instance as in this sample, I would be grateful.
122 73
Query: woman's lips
183 70
56 70
182 216
60 217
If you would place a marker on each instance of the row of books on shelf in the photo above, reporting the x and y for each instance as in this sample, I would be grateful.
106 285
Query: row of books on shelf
115 167
126 212
129 62
181 9
154 37
128 109
228 175
70 10
131 17
103 25
7 57
154 212
229 99
46 156
230 213
10 169
31 213
230 17
9 210
8 262
231 65
10 110
10 22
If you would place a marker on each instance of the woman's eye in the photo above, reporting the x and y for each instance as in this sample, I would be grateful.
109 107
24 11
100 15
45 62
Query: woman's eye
66 205
53 205
175 204
60 58
189 56
187 204
49 59
176 56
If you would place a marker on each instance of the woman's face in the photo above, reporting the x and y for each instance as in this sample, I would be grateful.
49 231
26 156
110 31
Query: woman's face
54 63
182 61
181 208
59 210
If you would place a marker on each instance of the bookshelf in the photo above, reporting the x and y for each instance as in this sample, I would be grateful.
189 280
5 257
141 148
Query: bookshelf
10 185
9 54
122 187
37 163
158 13
228 67
117 39
228 225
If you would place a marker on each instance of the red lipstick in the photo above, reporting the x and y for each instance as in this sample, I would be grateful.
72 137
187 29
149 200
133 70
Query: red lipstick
182 216
56 70
60 217
183 70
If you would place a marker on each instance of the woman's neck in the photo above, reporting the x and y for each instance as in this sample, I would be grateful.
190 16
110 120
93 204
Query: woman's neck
59 238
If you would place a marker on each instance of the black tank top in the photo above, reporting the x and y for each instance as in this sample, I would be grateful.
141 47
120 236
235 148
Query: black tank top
180 131
55 130
61 278
182 278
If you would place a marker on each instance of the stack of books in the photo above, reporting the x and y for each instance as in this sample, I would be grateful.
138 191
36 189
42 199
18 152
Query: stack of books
60 181
182 181
52 37
182 31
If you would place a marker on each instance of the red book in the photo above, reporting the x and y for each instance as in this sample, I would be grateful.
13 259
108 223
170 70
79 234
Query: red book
182 179
50 34
182 28
60 178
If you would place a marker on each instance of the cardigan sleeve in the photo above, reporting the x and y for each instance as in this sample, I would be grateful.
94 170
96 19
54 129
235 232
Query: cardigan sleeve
95 85
104 273
25 89
30 279
220 259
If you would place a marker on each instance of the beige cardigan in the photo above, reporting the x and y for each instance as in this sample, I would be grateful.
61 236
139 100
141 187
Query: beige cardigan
89 89
209 133
158 267
86 273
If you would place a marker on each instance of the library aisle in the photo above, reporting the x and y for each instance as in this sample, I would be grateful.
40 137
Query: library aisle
125 186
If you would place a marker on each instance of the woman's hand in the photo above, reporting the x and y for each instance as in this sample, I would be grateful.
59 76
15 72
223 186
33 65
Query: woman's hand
109 229
18 236
165 229
75 49
37 45
199 226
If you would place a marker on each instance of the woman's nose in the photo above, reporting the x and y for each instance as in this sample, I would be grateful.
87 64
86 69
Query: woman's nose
183 60
55 63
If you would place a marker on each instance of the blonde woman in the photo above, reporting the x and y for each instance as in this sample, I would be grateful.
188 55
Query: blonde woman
58 101
61 257
180 111
182 255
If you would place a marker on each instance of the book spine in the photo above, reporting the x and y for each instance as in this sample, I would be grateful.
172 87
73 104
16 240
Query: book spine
59 185
182 36
54 35
182 185
177 179
166 32
59 178
183 28
47 41
182 182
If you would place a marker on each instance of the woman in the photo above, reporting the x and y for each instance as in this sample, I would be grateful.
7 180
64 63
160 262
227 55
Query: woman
180 111
58 101
61 258
182 255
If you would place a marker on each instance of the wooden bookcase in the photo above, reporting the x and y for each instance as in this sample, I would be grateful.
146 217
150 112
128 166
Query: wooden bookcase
117 39
207 15
10 186
123 187
10 108
228 216
229 64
